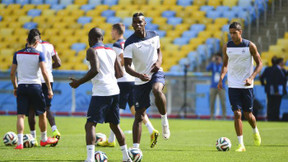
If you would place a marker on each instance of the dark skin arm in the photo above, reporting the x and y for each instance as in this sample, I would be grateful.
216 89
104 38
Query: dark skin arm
92 57
224 67
56 61
129 70
118 68
13 78
156 66
122 59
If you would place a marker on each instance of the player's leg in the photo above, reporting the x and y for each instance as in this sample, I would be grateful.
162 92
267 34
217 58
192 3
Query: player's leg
137 127
160 102
20 130
90 140
223 102
32 122
213 93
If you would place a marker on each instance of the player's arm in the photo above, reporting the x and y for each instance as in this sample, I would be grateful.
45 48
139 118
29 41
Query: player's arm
156 66
56 61
121 59
129 70
13 78
118 68
92 57
224 67
46 78
258 61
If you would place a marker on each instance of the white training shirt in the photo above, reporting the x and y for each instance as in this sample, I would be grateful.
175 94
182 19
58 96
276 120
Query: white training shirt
143 52
118 47
28 69
105 82
49 51
240 64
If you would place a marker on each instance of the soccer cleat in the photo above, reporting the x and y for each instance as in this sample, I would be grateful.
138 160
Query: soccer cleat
19 146
49 141
56 134
106 144
165 132
154 137
240 148
129 160
257 139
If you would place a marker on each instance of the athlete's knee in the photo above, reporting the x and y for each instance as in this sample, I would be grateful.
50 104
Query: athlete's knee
157 91
89 125
237 114
139 115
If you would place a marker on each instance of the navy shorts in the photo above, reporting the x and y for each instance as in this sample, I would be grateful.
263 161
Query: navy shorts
241 98
142 92
45 92
126 94
30 96
104 109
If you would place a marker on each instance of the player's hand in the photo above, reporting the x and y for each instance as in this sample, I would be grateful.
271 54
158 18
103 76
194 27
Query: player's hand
50 94
248 82
74 83
144 77
220 86
155 67
15 92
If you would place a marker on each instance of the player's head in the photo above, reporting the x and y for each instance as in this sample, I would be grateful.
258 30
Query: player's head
95 35
218 58
235 31
138 22
274 60
33 37
280 61
117 31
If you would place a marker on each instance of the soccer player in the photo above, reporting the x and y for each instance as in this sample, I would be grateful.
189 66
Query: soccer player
238 61
126 86
143 48
50 54
104 106
28 90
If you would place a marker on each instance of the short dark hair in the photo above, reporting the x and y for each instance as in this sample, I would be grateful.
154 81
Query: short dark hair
33 36
138 14
235 25
280 60
274 60
96 34
119 27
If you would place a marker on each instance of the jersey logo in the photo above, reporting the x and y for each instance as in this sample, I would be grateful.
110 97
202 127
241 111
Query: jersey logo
243 51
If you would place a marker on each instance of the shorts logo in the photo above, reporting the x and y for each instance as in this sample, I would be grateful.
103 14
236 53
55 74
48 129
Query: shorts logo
137 104
88 117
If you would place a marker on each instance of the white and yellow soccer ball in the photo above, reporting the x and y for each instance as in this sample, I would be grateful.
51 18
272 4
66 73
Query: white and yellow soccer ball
100 137
10 139
223 144
100 156
28 141
135 154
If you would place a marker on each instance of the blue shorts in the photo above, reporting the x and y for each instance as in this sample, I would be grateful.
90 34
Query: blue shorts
142 92
241 99
126 94
45 92
30 96
104 109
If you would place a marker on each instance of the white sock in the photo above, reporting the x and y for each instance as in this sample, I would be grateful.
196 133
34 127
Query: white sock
33 133
90 152
20 139
44 136
164 120
111 137
149 126
240 139
136 145
255 130
54 127
124 152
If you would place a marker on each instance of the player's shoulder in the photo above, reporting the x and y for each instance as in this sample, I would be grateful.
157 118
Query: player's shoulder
118 43
132 39
46 44
151 34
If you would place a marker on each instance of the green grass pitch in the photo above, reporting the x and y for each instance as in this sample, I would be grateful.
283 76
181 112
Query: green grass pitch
191 140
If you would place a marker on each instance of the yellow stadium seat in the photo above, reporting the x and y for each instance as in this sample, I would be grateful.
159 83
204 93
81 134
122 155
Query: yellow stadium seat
155 14
206 21
60 25
223 36
81 66
7 52
4 24
89 26
278 50
56 40
75 26
213 27
6 31
99 19
176 8
154 2
77 13
123 13
199 14
2 6
241 21
146 8
40 19
188 47
3 45
16 46
191 9
93 13
190 20
74 60
81 54
165 40
22 39
182 27
69 53
197 41
221 21
80 2
20 31
45 25
283 43
4 67
19 12
161 8
84 38
10 19
183 14
169 2
165 27
11 39
15 25
66 67
71 39
50 13
172 48
14 6
125 2
102 8
69 20
199 2
139 2
132 8
73 7
43 6
159 20
67 32
6 12
214 3
230 3
173 34
28 7
64 13
286 35
117 7
205 34
24 19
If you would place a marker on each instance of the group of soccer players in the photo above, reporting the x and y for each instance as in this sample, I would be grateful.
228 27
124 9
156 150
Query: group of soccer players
142 59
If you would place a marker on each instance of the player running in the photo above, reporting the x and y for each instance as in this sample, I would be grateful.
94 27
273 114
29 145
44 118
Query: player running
126 86
238 61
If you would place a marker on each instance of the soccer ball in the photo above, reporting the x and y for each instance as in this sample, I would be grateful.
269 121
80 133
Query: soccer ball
223 144
100 156
10 138
100 137
135 154
28 141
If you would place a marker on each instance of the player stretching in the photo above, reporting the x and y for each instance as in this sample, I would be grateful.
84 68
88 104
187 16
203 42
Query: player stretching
28 90
126 85
238 61
143 48
104 106
50 54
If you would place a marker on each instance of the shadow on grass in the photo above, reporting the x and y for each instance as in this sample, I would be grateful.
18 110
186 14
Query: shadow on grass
273 146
